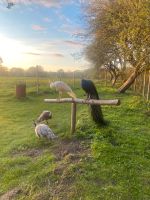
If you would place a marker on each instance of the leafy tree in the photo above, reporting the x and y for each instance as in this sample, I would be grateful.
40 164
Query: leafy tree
102 56
3 71
123 27
15 71
32 71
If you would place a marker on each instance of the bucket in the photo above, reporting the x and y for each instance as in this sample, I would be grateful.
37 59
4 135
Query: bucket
20 90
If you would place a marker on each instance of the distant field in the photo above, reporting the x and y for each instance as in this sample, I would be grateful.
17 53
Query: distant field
110 163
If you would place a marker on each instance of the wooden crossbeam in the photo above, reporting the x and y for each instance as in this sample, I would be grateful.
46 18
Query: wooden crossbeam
76 101
84 101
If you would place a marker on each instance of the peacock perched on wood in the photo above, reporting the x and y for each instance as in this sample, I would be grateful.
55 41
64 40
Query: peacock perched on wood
61 88
91 92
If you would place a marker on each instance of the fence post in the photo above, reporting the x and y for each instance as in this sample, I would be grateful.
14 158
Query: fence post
141 81
74 79
139 84
148 86
105 77
134 88
37 79
73 117
144 81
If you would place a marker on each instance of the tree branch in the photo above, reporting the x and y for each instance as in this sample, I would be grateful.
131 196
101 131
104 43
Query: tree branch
84 101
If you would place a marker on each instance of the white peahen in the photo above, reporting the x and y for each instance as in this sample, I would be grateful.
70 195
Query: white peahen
43 131
62 87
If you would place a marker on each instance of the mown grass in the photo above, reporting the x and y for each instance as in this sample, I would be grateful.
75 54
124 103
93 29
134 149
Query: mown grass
115 167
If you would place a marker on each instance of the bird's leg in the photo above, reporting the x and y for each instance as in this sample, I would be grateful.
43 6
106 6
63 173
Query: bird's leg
60 95
87 96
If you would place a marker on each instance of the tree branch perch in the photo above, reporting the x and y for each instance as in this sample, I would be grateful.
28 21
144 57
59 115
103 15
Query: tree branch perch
84 101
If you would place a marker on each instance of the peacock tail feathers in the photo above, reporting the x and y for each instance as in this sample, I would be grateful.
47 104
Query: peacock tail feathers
72 94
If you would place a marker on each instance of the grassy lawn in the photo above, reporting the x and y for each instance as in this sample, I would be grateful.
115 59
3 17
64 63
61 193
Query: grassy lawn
108 163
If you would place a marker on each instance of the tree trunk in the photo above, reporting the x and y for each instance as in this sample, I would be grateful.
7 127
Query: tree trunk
126 85
111 76
113 82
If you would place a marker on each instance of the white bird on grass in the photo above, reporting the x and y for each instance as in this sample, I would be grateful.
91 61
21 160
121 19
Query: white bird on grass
43 131
44 116
62 87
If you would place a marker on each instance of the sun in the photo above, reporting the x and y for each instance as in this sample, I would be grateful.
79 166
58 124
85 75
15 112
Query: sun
13 52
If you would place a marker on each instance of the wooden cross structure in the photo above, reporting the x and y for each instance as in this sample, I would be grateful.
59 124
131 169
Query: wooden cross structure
76 101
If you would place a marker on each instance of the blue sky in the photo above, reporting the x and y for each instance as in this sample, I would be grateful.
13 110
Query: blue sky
42 32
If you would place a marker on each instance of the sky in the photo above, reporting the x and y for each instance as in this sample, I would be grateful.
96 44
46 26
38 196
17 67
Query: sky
43 32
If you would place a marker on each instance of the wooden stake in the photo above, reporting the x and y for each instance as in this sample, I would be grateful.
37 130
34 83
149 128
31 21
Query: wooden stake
105 77
73 117
148 89
74 79
144 81
135 82
37 79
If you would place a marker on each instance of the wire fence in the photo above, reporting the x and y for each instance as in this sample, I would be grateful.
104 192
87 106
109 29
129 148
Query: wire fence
140 86
41 84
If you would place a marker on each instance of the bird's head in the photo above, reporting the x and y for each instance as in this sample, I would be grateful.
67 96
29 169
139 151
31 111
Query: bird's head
52 85
34 123
50 115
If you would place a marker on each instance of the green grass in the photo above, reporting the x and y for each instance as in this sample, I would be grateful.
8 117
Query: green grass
113 163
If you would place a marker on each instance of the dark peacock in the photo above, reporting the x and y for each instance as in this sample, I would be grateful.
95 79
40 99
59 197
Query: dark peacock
96 111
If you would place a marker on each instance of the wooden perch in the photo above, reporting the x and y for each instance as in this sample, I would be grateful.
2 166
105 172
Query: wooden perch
83 101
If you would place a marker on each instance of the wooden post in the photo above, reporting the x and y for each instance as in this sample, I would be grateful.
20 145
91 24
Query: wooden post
148 89
144 81
73 117
141 81
105 77
74 103
60 76
138 84
37 80
135 82
74 79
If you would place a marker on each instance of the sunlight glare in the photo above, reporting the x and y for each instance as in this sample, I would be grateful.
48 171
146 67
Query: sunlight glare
13 52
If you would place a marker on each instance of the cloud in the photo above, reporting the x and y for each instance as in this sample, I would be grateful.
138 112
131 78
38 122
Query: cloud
47 19
32 53
45 53
36 27
55 45
45 3
48 3
72 30
62 17
59 55
73 43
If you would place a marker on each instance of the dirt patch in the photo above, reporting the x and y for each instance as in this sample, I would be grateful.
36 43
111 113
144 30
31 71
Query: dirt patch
69 155
70 147
10 195
33 153
59 169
